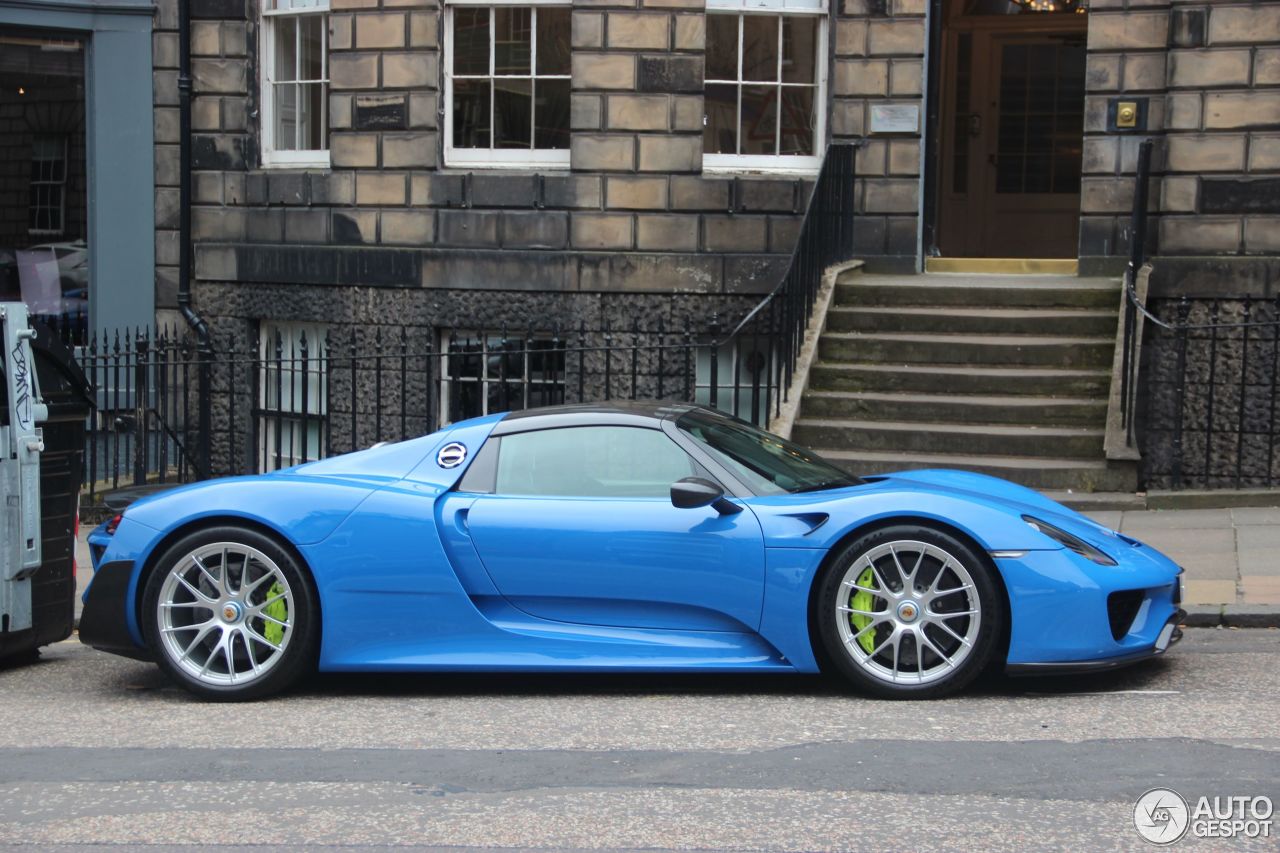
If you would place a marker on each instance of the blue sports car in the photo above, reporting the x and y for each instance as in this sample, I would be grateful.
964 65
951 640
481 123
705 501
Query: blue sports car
644 537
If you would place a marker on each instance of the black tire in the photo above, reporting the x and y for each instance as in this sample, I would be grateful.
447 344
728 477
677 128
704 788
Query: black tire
261 558
864 662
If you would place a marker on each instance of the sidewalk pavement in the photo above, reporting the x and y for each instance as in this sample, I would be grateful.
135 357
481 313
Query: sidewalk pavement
1231 556
1232 559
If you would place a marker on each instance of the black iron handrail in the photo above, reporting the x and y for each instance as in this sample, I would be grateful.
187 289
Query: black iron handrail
1210 405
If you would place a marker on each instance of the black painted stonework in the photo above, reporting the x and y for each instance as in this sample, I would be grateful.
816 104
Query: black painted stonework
670 74
1187 28
327 265
218 153
1232 195
224 10
380 112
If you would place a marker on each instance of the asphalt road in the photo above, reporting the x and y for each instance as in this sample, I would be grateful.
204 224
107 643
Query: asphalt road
97 750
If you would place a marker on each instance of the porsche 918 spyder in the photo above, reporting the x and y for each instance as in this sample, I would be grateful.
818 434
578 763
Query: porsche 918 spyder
659 537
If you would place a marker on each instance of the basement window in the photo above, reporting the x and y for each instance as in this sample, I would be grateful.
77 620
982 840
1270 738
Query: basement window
293 404
487 372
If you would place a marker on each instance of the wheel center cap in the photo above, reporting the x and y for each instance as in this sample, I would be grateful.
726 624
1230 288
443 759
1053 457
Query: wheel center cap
231 611
908 611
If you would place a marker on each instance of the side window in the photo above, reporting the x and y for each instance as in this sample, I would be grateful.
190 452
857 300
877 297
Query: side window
605 461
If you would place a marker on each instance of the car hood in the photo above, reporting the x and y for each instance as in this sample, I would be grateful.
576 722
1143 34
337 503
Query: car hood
1010 497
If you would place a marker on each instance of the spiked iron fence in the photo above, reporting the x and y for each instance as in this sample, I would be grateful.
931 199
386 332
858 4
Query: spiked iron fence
175 408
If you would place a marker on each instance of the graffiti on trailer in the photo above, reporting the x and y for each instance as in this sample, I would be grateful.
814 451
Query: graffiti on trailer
21 387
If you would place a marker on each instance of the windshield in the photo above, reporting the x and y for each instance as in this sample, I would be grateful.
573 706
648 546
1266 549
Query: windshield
769 465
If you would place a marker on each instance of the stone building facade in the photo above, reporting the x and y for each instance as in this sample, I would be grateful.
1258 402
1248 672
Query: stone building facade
458 165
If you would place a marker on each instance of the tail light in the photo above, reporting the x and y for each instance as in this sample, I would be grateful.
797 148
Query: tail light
113 524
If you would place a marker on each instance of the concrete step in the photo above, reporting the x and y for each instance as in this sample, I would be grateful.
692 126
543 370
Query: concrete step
956 408
1073 322
972 379
1077 475
967 439
966 349
973 291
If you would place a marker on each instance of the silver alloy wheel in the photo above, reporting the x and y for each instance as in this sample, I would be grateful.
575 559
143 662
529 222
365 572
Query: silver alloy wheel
908 612
220 616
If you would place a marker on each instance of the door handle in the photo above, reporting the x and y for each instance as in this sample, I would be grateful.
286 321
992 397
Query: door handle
460 521
975 125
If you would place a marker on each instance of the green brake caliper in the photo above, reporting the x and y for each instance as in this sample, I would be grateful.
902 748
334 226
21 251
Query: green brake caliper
863 600
278 609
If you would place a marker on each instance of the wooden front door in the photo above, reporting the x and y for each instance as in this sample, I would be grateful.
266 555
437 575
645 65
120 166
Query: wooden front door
1012 134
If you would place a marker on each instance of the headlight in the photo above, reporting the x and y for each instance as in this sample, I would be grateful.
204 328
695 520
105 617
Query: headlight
1071 543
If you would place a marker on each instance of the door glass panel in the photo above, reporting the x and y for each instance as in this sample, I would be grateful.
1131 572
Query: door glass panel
612 462
960 132
1019 7
1041 118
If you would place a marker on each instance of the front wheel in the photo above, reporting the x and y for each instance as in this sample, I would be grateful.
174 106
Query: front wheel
909 612
230 614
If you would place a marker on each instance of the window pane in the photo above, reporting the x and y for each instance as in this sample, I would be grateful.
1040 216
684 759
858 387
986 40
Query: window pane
799 49
512 113
314 132
286 47
551 112
720 134
471 113
797 120
286 108
512 41
470 40
722 47
553 40
759 47
313 31
618 462
759 119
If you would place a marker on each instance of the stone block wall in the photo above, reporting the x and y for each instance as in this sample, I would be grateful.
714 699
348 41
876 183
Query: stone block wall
879 59
1210 76
633 212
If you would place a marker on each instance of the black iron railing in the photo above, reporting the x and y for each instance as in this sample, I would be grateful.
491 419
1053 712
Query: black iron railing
177 406
1198 377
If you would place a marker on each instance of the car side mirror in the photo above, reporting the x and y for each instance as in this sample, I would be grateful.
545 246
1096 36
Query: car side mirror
695 492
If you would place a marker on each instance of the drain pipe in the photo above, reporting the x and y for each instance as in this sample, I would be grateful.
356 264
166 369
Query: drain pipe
193 318
184 173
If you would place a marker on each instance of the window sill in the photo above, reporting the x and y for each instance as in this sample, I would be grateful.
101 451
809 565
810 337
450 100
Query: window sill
746 171
279 160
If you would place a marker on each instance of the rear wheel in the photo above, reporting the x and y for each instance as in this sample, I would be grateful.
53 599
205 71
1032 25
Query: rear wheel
909 611
229 614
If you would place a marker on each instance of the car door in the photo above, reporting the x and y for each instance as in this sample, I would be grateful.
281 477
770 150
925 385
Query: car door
580 528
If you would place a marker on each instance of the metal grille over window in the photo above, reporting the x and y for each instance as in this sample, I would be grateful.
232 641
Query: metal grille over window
293 400
507 70
295 90
765 76
486 373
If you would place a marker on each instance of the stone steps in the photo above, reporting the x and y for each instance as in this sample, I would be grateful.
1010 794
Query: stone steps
1022 350
955 408
966 379
1077 475
1004 375
928 437
1073 322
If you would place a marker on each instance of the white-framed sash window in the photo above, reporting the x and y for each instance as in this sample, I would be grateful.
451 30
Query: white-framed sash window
765 85
295 83
507 70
